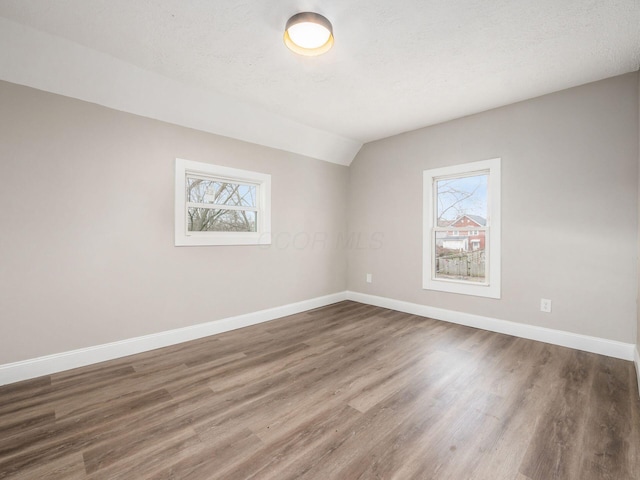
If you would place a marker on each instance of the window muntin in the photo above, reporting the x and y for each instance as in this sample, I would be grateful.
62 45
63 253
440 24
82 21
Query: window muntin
218 205
462 229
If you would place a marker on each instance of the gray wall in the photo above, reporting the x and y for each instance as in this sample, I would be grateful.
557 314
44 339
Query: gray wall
638 296
86 208
569 208
86 246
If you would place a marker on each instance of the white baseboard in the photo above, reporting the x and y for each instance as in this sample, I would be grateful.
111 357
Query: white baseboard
602 346
24 370
637 362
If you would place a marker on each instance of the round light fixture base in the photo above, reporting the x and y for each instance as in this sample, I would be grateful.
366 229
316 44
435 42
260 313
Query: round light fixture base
309 34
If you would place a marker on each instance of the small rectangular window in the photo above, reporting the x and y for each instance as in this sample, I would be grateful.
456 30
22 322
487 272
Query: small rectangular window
218 205
462 229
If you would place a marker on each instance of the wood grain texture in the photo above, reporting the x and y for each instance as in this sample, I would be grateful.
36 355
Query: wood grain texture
347 391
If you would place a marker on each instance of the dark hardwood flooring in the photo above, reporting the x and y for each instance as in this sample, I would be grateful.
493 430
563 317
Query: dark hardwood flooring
347 391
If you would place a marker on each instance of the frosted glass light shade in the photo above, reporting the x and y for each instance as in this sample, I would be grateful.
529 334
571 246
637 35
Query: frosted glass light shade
308 33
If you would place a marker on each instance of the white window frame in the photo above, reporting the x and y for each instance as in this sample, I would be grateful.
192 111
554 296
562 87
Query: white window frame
232 175
492 287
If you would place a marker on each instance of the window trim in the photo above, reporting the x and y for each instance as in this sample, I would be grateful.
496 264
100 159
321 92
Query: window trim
492 289
262 180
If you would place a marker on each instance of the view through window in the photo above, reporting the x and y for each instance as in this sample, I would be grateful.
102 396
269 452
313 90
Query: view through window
461 233
219 206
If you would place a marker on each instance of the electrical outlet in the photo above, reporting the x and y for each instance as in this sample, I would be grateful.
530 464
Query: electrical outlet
545 305
369 278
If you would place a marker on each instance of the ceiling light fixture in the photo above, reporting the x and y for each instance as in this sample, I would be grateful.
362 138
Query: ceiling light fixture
308 33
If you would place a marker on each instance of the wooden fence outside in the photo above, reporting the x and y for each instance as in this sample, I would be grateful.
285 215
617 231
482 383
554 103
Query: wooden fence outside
463 264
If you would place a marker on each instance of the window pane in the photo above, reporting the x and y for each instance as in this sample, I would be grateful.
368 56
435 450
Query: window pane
460 257
215 220
220 193
462 202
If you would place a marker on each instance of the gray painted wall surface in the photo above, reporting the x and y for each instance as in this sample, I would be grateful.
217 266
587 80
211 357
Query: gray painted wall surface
86 208
86 246
569 208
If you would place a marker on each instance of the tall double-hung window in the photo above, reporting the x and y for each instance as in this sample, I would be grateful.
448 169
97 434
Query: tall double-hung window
462 229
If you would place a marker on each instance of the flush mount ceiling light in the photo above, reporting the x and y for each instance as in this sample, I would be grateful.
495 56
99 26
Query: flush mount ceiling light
308 33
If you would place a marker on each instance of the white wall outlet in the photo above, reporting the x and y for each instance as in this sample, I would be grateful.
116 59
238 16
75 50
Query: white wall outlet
545 305
369 278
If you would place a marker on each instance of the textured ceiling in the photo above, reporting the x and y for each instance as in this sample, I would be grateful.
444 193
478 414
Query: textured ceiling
395 66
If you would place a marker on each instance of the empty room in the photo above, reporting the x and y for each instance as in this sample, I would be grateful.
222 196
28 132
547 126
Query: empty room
332 240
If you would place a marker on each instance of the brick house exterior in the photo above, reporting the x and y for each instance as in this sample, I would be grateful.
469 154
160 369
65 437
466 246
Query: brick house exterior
467 241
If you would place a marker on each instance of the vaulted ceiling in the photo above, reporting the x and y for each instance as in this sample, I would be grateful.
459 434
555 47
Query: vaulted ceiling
221 66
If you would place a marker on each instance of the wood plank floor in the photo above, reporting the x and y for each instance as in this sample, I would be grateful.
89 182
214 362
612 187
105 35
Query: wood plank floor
347 391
